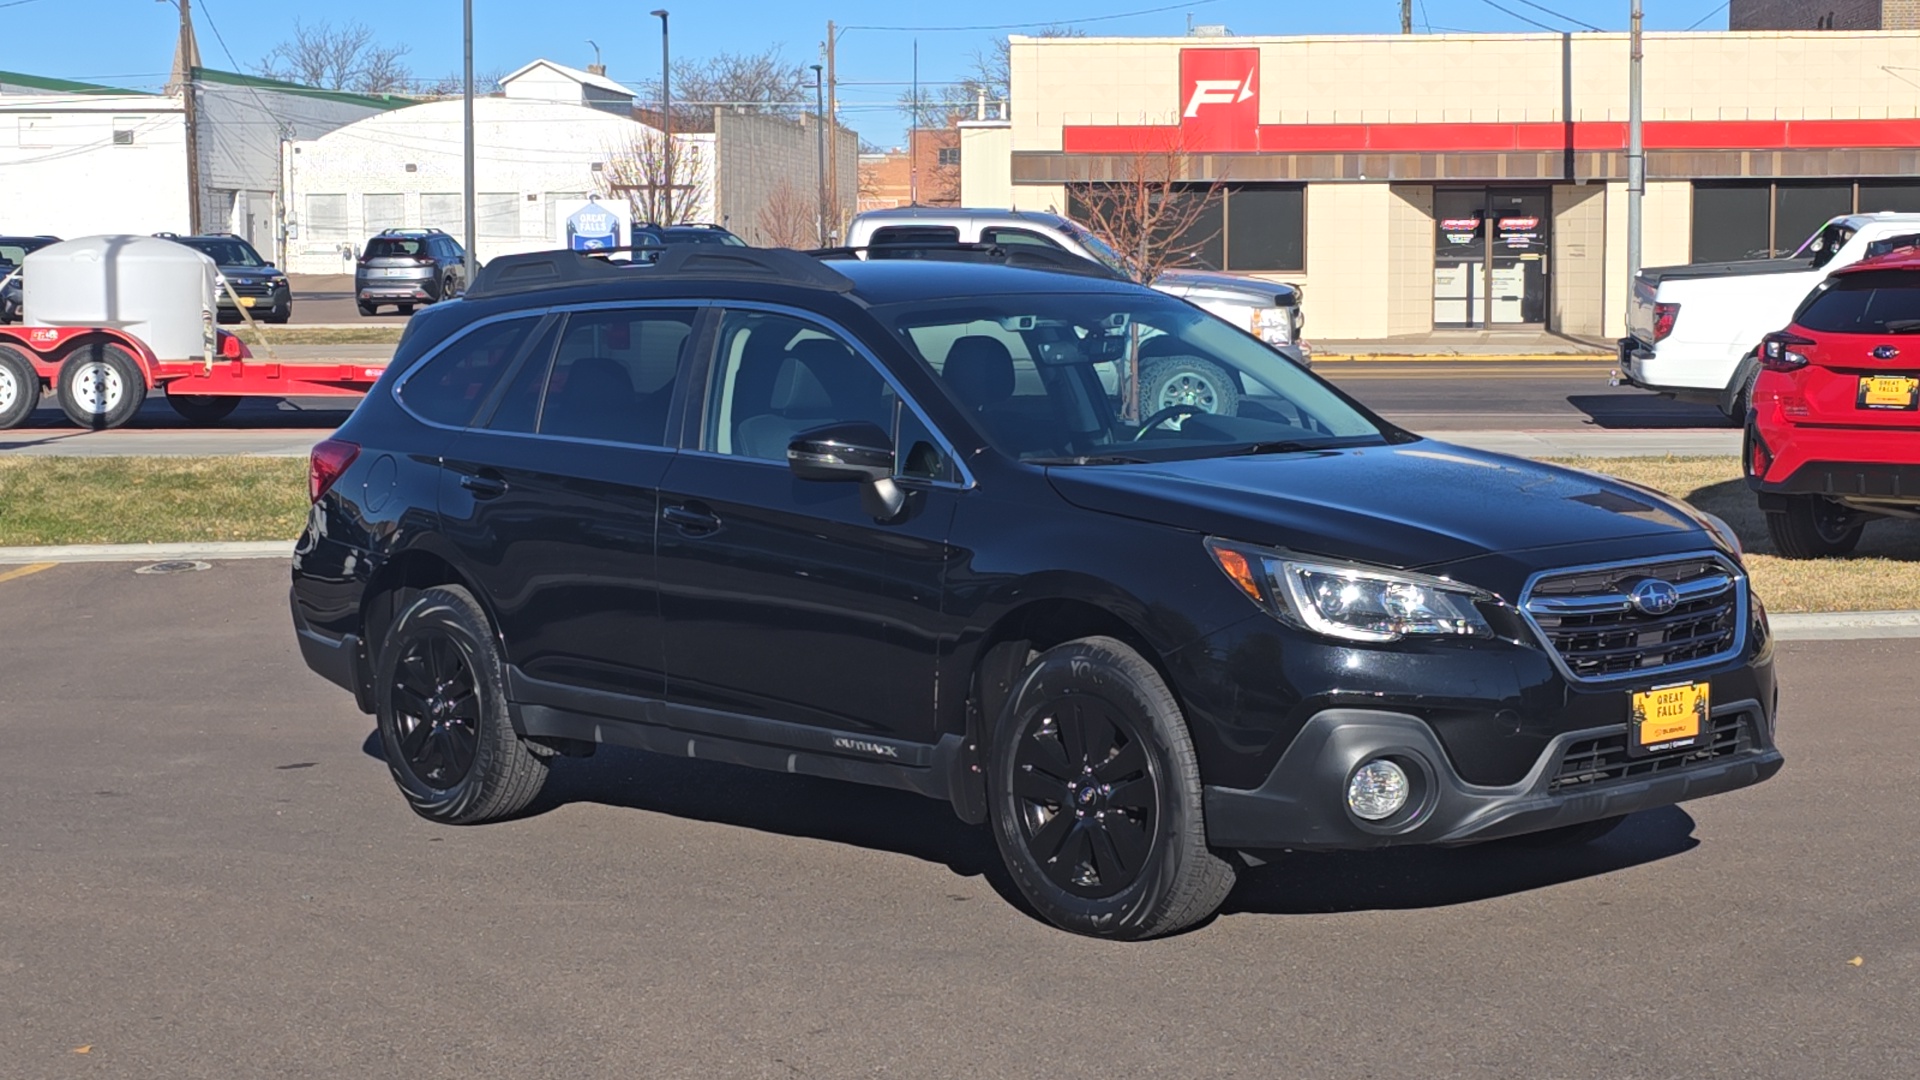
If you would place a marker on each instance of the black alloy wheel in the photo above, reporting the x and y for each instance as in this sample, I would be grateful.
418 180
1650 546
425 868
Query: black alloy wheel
440 700
436 705
1087 797
1094 796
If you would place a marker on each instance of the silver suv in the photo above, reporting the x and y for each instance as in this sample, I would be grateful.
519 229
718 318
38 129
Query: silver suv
1269 310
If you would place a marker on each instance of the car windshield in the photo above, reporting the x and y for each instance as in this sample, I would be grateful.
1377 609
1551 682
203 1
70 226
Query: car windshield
388 247
226 252
702 236
1825 243
1103 251
1869 302
1110 378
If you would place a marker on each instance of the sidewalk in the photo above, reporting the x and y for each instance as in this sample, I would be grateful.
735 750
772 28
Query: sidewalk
1462 345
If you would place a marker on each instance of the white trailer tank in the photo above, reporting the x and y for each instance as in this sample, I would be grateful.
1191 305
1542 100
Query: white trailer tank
156 290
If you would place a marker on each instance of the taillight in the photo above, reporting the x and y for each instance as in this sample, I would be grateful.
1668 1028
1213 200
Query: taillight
329 460
1664 316
1784 351
422 260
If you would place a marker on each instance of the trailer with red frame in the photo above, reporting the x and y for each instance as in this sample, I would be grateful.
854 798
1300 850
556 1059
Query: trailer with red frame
111 319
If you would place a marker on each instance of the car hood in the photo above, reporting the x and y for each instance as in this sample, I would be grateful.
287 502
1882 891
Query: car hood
1263 293
1421 504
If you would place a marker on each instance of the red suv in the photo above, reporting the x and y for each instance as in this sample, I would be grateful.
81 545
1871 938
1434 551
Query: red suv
1834 436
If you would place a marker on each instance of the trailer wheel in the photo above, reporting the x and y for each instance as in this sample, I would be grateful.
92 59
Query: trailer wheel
203 408
101 387
19 388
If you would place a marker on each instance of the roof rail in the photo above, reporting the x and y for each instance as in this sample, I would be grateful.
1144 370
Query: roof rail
555 269
1018 256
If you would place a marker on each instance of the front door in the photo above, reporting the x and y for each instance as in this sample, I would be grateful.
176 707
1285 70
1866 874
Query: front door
1490 257
783 598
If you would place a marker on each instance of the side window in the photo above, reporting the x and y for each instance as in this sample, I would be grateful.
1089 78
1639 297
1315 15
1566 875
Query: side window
914 234
518 408
918 453
1007 237
779 376
449 388
614 374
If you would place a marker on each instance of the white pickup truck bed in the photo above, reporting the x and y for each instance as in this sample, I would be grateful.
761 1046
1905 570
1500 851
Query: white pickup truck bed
1724 309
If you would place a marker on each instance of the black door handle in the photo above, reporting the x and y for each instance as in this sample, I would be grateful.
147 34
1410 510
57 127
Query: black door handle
483 487
687 519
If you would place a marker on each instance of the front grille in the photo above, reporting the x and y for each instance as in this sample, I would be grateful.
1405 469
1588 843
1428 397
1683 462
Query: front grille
254 288
1588 616
1604 760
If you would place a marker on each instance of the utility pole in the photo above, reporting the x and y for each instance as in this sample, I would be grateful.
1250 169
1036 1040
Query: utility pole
664 200
913 139
820 173
466 50
1636 155
189 60
833 155
1406 16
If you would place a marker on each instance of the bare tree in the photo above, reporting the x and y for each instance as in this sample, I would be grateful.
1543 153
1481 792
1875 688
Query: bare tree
762 82
454 85
790 218
666 183
337 58
1154 213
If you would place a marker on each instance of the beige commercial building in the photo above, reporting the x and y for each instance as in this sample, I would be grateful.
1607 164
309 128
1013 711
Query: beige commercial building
1414 183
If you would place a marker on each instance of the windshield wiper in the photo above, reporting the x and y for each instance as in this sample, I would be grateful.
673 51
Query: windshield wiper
1283 446
1903 326
1088 459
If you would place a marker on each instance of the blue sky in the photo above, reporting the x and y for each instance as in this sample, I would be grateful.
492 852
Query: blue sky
130 42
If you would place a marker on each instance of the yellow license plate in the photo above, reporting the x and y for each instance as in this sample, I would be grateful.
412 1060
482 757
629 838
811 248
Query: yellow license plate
246 301
1668 718
1887 391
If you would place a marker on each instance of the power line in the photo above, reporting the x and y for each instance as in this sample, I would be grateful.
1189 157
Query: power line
1557 15
1033 25
1522 18
1709 15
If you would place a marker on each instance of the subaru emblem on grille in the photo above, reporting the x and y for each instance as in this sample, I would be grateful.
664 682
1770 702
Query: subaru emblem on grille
1655 597
1885 352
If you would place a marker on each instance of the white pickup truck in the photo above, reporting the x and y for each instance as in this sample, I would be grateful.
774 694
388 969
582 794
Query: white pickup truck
1692 331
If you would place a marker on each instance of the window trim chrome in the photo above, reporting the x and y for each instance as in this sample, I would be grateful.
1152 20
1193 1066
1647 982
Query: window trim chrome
1733 571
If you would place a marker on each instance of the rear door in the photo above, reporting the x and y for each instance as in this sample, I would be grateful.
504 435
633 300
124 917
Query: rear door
1864 368
551 500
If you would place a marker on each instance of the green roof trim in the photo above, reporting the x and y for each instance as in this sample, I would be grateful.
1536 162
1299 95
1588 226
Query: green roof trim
372 101
61 86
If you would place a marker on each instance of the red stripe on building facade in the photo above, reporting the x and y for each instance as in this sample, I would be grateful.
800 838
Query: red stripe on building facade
1497 138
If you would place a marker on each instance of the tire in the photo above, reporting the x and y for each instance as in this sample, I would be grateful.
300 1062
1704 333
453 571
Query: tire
279 314
101 387
203 408
446 289
19 388
405 309
1187 382
1136 804
1813 527
440 701
1739 399
1567 836
368 309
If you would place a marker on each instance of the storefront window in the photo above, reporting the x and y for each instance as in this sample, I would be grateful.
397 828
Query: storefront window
1730 221
1244 227
1800 210
1876 195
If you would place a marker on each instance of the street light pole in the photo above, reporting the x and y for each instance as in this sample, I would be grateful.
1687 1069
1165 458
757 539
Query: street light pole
665 202
467 135
1636 155
820 136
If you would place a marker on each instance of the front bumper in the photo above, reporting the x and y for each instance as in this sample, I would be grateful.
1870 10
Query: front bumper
271 301
1302 802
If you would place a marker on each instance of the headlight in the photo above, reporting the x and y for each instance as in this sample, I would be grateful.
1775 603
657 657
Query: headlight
1352 602
1273 325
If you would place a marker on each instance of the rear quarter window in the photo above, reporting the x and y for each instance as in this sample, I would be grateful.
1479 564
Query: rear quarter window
449 388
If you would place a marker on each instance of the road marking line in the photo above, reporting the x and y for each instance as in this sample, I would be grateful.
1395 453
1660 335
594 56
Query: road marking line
23 571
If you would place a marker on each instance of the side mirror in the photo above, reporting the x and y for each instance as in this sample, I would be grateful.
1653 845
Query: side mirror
858 452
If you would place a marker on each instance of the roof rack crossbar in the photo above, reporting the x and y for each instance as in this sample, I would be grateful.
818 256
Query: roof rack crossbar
1022 256
555 269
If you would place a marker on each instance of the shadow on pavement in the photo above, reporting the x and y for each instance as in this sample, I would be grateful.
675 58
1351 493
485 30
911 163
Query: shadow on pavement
925 829
1646 410
1392 879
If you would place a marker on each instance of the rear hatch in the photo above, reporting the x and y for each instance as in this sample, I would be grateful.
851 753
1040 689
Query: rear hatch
1859 335
396 257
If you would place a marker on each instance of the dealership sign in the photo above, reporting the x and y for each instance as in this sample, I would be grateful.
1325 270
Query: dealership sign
1220 100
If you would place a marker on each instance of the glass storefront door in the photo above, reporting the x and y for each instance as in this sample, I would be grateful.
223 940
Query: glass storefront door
1490 257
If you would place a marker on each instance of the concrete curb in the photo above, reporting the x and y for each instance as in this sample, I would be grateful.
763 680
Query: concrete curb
1845 625
74 553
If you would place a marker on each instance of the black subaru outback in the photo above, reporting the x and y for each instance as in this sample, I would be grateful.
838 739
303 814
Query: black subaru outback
905 523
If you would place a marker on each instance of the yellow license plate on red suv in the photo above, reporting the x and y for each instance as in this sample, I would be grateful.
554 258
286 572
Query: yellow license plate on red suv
1668 718
1888 392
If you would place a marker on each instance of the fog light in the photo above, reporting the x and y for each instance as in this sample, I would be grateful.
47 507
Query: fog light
1378 790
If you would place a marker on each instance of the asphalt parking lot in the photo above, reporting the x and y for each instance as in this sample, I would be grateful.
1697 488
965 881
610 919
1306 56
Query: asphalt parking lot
207 874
